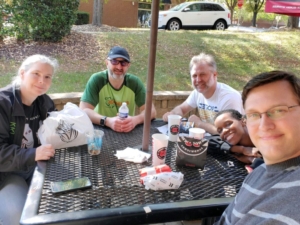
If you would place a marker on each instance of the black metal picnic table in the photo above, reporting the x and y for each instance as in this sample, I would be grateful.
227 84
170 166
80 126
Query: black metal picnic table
118 197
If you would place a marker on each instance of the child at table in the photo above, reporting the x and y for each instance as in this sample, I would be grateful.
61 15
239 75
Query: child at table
233 131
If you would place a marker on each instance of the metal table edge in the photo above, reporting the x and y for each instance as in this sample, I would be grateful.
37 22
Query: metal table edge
214 207
35 190
144 213
132 214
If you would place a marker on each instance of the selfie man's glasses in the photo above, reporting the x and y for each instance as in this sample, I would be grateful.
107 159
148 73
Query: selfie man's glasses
273 113
116 62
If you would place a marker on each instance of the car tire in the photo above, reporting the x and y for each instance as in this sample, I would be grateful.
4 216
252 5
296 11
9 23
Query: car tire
220 25
174 24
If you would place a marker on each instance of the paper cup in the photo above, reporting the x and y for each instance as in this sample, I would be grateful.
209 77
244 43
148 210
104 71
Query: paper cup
94 142
159 149
196 133
173 127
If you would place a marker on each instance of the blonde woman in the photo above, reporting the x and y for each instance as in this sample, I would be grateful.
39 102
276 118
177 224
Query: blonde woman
23 107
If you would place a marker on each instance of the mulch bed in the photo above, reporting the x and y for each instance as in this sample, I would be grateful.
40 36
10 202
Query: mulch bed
78 45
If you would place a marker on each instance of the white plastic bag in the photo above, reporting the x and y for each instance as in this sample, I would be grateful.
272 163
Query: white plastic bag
65 128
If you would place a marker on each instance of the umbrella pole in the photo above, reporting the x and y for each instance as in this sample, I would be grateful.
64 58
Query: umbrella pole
151 70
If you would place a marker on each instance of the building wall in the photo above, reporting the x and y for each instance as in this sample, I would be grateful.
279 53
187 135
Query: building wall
118 13
87 6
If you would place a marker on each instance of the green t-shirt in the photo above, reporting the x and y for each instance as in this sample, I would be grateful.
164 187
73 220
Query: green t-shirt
107 100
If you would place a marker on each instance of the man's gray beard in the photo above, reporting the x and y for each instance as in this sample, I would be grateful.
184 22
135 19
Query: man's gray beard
114 76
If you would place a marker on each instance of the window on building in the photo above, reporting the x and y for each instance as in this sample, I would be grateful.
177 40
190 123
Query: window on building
144 12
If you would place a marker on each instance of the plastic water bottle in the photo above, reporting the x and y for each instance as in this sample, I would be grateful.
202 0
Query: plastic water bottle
123 111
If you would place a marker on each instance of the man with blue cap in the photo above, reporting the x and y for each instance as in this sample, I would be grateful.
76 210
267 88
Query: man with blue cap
106 90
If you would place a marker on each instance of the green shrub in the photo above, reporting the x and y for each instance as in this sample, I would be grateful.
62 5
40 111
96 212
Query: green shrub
2 13
43 20
82 18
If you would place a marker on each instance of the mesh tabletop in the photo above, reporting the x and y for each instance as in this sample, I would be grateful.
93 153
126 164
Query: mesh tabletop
116 183
117 196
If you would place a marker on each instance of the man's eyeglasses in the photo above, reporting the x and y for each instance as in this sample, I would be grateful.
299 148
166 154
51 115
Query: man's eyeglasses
273 113
116 62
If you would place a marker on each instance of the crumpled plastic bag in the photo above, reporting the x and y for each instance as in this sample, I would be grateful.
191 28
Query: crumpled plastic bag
132 155
163 181
65 128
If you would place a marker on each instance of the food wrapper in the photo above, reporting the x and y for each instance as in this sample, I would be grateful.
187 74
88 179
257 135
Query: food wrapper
133 155
163 181
154 170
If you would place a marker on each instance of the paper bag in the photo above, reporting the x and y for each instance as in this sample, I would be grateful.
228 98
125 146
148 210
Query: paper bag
65 128
191 152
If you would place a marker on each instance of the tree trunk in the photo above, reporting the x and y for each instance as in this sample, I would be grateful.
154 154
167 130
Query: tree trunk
254 19
1 25
293 22
97 12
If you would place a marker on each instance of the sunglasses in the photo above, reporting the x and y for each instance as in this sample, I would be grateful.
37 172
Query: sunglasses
116 62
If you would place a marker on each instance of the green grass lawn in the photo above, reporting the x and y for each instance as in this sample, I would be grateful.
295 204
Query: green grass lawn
239 56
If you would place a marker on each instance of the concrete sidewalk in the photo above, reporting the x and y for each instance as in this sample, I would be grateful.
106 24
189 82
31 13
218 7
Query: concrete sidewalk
246 29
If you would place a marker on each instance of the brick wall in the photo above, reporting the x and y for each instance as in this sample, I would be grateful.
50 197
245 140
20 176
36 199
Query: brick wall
164 101
116 13
87 6
119 13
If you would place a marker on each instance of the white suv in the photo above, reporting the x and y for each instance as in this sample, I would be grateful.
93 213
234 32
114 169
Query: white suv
195 15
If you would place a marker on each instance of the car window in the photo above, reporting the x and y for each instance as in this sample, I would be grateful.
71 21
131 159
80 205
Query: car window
178 7
194 7
206 7
216 7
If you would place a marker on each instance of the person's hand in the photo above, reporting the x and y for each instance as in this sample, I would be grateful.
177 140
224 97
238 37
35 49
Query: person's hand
118 125
44 152
248 168
196 120
165 116
127 124
244 158
247 151
256 152
245 154
112 123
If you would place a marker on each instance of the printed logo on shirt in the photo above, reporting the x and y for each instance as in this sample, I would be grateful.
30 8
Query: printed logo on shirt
111 103
207 112
12 127
206 115
27 141
208 107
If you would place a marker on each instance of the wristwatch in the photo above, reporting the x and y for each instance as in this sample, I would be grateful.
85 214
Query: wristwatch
102 121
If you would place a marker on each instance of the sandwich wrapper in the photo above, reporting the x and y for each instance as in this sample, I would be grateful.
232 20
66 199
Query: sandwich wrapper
154 170
160 178
132 155
163 181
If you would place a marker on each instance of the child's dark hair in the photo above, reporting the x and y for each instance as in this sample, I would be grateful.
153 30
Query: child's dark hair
234 114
